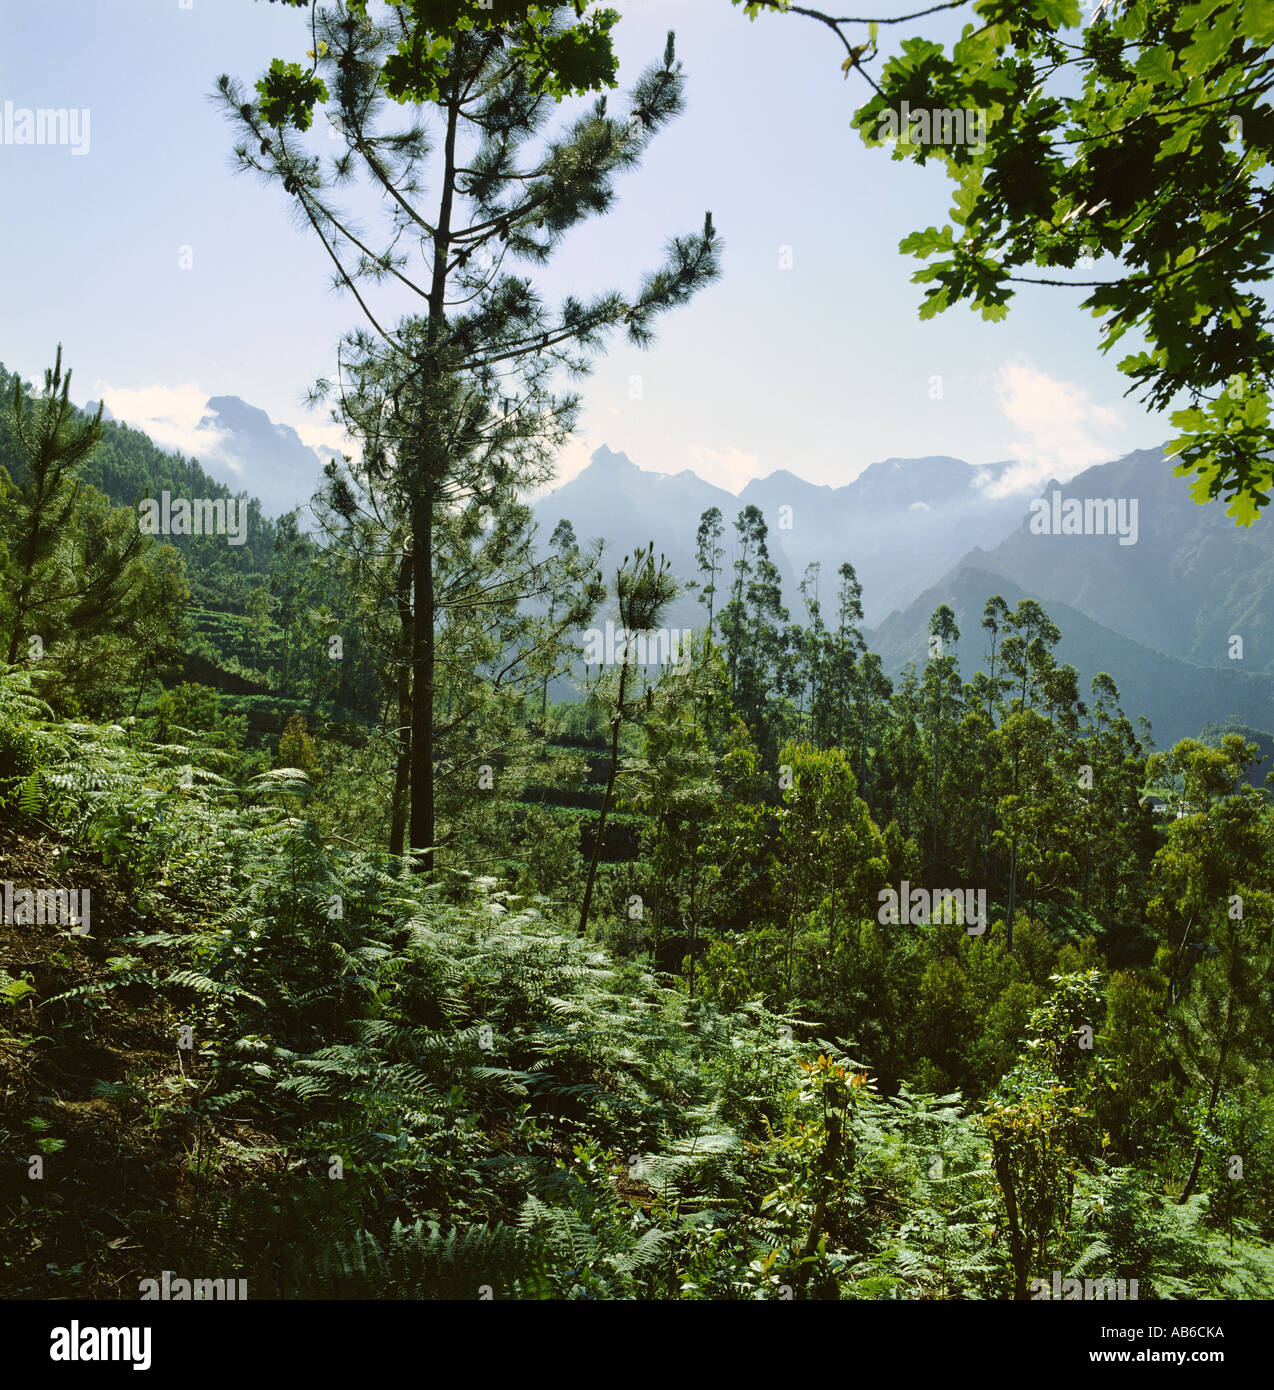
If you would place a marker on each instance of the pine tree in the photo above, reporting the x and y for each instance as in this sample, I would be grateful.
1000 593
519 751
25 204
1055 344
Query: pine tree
469 377
56 443
503 614
80 584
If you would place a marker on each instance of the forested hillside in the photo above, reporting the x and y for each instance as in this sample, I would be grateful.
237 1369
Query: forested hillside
246 615
1177 697
766 1057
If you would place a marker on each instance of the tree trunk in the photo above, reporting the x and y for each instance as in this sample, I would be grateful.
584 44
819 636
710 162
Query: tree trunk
610 788
1212 1100
422 520
422 688
1019 1246
20 599
402 769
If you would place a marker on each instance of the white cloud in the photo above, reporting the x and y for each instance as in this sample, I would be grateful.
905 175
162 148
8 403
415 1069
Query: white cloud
170 415
325 435
1060 430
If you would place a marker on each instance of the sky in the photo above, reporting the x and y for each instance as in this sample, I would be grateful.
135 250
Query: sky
168 278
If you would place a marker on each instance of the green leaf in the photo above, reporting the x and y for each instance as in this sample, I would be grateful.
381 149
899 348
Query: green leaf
289 94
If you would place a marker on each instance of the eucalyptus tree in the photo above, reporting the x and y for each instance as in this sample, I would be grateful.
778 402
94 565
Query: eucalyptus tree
468 380
749 530
811 651
943 692
564 546
708 556
1212 906
995 620
873 691
674 785
1031 813
1112 773
643 591
840 682
751 625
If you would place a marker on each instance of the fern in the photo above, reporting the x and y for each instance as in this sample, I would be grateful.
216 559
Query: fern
418 1261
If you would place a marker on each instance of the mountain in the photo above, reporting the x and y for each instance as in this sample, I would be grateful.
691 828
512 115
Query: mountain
128 466
1191 582
902 523
1157 615
249 451
615 501
1176 696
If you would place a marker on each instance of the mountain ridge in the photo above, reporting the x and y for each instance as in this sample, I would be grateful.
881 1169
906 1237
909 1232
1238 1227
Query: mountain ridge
927 509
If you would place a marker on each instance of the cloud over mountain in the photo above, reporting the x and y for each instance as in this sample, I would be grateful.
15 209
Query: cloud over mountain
236 443
1059 430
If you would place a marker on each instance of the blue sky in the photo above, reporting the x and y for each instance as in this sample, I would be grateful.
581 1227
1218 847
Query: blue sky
822 368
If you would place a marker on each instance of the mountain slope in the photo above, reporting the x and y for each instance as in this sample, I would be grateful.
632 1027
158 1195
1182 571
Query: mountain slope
615 501
1177 697
251 451
1191 582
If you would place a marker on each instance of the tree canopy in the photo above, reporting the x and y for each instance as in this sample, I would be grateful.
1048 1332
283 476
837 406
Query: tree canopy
1133 145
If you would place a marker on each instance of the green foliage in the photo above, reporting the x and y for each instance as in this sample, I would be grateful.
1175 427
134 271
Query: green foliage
464 1100
288 95
451 1093
19 777
1039 1122
1133 143
558 57
296 748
